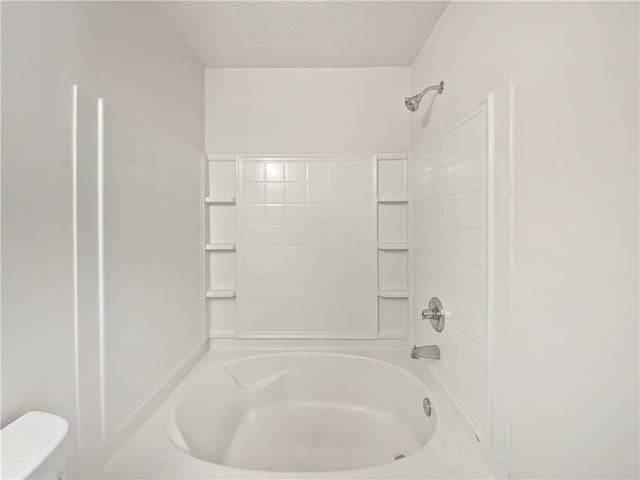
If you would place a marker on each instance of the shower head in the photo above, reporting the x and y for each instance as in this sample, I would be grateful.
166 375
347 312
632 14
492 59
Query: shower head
413 103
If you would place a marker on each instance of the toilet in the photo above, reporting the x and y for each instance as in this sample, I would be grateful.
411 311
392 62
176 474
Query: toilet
34 446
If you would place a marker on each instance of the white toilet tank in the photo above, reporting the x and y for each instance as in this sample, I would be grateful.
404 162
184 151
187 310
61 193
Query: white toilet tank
34 446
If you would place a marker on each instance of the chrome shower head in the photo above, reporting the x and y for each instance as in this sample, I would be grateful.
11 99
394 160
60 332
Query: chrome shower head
413 103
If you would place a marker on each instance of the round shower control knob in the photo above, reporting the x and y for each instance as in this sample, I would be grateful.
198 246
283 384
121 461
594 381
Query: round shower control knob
435 314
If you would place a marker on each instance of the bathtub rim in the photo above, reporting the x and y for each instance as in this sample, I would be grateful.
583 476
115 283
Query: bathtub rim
171 423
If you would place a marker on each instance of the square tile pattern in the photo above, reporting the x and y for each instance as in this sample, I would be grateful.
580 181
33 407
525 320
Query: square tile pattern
307 233
450 255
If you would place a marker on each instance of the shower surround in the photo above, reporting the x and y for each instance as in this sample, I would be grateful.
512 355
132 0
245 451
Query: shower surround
315 250
450 247
307 247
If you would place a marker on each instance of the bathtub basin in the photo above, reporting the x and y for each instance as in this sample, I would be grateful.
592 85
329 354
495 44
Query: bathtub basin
301 412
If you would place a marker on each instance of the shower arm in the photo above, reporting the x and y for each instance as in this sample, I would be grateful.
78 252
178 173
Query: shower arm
413 103
439 88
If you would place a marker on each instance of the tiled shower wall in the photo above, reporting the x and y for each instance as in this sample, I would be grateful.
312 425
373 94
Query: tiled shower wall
449 218
307 246
308 264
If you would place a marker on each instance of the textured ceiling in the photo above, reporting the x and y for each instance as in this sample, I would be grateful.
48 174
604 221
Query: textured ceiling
303 34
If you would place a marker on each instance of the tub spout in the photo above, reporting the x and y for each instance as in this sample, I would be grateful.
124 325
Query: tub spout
426 351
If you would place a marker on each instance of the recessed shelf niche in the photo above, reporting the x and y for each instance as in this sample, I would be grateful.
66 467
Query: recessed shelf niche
393 246
220 244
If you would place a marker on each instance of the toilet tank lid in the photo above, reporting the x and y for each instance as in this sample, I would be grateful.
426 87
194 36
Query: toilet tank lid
28 441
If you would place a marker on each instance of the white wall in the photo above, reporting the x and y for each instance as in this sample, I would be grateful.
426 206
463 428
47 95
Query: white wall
126 54
306 110
574 319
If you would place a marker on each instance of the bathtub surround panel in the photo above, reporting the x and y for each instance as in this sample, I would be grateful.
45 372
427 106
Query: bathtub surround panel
450 255
307 247
46 49
300 219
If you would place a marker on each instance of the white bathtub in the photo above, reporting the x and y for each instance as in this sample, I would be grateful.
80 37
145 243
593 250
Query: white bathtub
305 412
301 415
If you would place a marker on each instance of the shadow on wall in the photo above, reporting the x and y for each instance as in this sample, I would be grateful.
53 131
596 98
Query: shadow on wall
426 118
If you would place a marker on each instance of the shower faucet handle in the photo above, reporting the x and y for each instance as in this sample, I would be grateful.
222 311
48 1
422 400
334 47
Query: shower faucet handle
435 314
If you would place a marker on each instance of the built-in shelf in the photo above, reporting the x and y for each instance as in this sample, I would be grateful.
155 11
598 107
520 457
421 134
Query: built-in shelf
221 200
389 199
393 294
393 246
219 247
220 294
